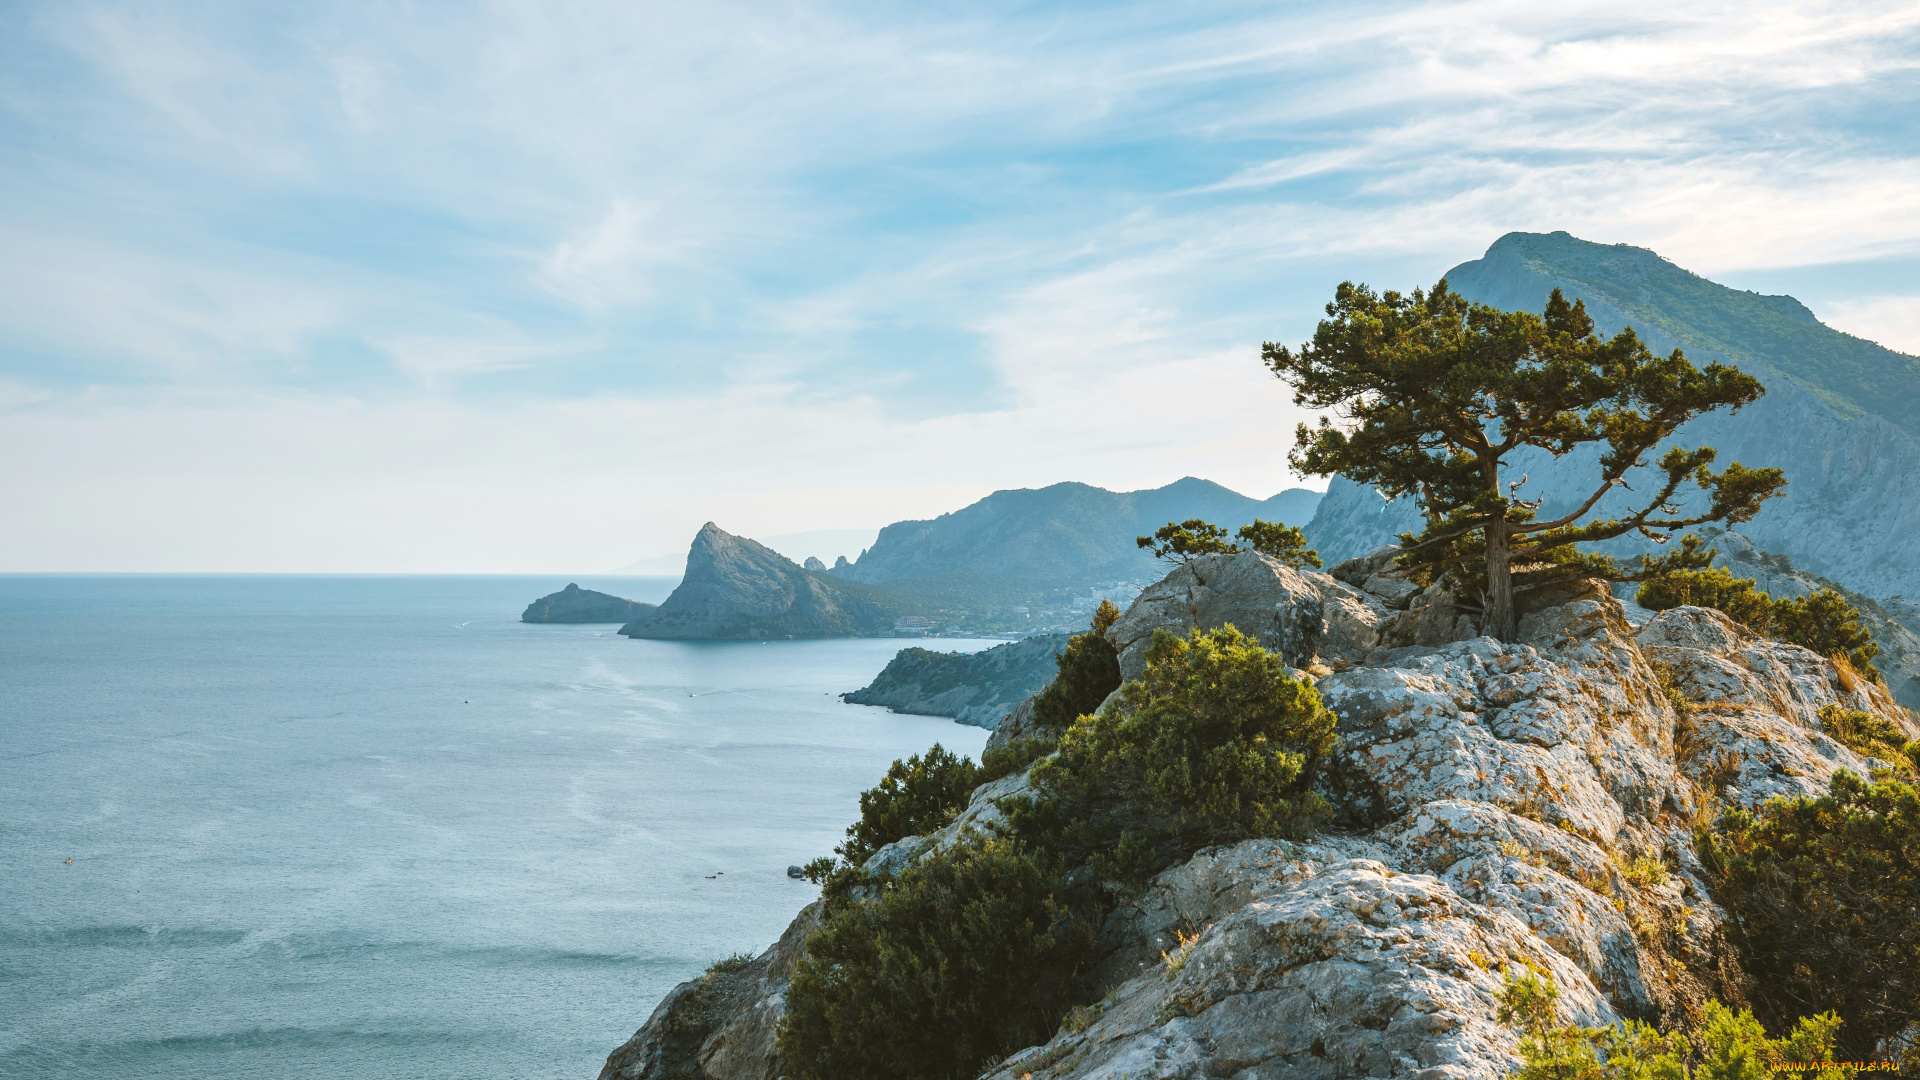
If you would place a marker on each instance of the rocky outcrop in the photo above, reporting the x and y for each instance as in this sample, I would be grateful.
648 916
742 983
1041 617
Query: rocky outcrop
721 1024
973 688
574 604
1503 806
737 589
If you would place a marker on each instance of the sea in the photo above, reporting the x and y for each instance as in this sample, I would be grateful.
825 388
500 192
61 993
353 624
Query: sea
343 827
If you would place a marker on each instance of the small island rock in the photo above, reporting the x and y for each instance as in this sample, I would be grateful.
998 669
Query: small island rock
574 604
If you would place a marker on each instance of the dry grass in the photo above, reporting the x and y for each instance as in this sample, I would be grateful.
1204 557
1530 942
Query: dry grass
1177 959
1643 871
1846 674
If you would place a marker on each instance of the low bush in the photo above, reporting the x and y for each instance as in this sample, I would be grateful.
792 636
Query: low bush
1824 899
1214 743
1015 756
1726 1045
984 947
1822 621
969 954
1827 624
1714 588
916 796
1869 735
1089 671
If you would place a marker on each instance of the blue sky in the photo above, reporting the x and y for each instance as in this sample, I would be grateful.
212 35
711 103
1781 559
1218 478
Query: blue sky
543 286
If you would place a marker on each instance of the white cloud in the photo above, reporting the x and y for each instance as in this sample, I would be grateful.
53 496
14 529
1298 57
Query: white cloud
1116 206
1893 321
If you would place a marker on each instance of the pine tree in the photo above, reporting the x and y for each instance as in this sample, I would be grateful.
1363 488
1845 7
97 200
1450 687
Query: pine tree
1434 393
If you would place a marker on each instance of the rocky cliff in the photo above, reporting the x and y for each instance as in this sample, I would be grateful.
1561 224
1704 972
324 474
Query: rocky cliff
574 604
973 688
737 589
1492 799
1839 417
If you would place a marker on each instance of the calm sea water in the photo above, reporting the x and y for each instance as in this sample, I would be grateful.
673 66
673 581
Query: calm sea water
376 827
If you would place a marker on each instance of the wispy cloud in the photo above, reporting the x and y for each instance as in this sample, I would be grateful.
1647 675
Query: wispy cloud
750 250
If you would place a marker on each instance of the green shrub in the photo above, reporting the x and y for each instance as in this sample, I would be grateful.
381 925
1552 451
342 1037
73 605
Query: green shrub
1827 624
1186 540
1822 621
1824 896
1726 1046
1713 588
1089 671
1283 542
1868 735
1015 756
916 796
1214 743
970 953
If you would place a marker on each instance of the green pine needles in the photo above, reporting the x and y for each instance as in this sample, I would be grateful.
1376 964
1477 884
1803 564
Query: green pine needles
1824 896
1433 393
1727 1045
1214 743
1184 541
987 944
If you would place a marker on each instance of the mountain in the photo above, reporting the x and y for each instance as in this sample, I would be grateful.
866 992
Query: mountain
973 688
574 604
738 589
1841 416
1067 533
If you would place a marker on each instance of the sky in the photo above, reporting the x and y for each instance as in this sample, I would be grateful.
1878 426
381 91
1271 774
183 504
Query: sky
543 286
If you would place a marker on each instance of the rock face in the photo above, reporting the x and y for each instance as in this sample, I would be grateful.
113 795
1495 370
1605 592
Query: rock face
737 589
574 604
973 688
1501 805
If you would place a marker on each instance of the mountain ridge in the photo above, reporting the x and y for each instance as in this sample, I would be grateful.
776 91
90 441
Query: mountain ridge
1061 532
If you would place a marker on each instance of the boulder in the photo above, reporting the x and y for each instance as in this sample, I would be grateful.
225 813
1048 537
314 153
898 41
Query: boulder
1304 616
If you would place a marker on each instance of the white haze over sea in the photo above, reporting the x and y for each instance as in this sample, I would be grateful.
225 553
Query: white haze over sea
376 827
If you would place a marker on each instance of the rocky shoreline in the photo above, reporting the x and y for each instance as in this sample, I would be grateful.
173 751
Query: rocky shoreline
973 688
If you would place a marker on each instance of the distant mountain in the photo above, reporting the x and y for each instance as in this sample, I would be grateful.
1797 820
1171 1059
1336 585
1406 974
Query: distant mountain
1067 533
737 589
574 604
1841 416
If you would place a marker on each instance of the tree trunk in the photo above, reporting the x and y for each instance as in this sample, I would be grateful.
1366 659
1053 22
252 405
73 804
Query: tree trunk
1497 618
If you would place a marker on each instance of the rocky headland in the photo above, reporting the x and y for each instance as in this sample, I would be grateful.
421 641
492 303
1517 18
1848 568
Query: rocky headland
973 688
1500 807
574 604
737 589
